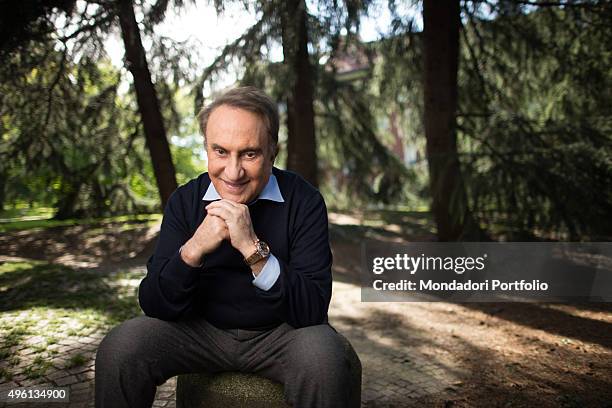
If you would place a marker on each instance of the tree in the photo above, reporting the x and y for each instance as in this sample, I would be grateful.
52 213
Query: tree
148 103
24 21
35 21
40 82
535 120
67 138
323 138
301 141
441 46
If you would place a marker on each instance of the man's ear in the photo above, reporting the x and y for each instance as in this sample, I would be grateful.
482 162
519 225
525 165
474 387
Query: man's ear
274 154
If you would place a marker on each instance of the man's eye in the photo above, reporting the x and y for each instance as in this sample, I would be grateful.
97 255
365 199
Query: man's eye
220 152
250 155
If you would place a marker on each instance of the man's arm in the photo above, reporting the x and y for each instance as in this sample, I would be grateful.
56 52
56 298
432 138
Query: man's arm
302 291
166 291
172 274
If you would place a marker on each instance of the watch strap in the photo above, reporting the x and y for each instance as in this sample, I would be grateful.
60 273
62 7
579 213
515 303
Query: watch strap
261 252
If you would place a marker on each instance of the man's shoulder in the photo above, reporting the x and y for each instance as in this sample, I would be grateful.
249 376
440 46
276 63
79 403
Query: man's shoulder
292 185
192 190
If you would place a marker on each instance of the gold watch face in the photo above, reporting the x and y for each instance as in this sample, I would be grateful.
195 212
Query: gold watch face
263 249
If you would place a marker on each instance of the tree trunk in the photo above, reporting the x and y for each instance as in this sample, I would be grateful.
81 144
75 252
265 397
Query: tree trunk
2 189
449 200
301 143
66 206
148 103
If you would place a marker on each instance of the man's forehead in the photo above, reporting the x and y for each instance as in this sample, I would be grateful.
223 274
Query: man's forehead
225 114
228 124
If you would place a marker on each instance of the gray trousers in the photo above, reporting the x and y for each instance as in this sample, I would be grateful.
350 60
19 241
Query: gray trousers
315 364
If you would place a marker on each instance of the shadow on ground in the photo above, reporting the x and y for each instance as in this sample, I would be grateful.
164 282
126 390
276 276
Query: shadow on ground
29 285
413 354
433 367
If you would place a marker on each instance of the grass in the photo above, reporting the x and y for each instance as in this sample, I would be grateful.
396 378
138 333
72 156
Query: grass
23 223
38 368
22 211
76 361
42 304
5 374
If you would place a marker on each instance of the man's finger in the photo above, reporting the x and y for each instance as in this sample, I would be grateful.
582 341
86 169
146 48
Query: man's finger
223 204
218 219
221 212
230 202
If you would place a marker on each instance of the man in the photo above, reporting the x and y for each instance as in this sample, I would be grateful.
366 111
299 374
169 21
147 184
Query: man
241 276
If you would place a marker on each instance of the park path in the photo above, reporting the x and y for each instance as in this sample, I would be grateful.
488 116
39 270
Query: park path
393 373
413 354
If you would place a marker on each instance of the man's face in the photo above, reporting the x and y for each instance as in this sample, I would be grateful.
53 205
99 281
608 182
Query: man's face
240 157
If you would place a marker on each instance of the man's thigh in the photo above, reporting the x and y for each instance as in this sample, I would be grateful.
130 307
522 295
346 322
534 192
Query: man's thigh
287 352
167 348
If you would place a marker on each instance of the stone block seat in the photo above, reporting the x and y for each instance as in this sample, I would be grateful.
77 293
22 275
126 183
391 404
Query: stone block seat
228 390
240 390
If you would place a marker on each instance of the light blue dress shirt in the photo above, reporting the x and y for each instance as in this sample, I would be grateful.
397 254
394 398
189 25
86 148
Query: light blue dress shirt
271 270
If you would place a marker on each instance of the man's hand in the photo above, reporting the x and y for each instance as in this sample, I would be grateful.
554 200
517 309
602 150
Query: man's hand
209 235
238 221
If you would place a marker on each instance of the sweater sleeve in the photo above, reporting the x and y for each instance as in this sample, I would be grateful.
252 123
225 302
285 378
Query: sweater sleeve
302 292
167 289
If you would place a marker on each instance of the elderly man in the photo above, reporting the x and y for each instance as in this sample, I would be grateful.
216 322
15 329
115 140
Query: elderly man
241 276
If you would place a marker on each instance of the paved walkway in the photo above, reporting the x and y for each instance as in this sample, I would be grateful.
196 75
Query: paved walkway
394 373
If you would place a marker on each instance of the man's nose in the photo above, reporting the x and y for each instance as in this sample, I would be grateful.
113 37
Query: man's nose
234 170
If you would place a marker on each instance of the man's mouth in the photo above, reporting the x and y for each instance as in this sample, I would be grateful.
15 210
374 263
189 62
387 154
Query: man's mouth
233 186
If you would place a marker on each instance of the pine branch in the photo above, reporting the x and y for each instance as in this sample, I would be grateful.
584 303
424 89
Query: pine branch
56 80
229 50
557 3
98 20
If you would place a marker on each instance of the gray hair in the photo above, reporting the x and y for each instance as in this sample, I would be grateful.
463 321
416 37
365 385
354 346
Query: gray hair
250 99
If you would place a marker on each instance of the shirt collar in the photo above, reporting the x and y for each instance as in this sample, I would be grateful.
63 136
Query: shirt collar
270 192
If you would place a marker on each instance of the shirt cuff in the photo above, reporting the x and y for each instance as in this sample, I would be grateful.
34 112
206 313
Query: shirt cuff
268 275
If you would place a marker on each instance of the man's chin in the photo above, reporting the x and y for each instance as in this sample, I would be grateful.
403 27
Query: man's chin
237 198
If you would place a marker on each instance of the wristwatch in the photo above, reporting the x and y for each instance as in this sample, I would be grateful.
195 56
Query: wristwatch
262 250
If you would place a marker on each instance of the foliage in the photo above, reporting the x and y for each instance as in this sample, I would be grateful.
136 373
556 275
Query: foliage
355 165
535 120
396 99
27 20
68 137
71 138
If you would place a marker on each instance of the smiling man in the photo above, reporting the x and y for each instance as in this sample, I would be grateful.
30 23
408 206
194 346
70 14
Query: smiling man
240 279
240 154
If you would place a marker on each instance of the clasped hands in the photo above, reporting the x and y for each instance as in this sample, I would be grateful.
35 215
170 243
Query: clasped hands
225 220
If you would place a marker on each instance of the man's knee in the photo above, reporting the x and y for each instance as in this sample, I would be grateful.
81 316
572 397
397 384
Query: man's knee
321 350
322 369
124 374
126 342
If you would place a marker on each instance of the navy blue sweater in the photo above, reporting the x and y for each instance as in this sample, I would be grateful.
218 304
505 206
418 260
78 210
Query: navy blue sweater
222 290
